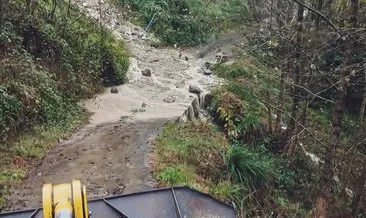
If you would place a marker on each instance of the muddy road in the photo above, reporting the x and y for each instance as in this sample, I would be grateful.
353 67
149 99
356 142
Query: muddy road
110 155
109 159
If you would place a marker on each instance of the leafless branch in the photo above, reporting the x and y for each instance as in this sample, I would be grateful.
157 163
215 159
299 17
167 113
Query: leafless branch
320 14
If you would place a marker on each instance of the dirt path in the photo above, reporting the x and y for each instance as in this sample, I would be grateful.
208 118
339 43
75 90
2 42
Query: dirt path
111 154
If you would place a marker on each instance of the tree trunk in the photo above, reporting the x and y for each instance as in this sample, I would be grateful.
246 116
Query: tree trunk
359 193
317 20
281 102
28 7
353 12
363 105
269 112
295 102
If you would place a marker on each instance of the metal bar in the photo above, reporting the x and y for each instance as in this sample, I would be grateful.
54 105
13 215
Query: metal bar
34 213
176 204
115 209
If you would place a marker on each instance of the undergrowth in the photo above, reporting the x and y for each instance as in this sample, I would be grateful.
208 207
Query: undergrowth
199 155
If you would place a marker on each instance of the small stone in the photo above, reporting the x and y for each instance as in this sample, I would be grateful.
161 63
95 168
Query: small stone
194 89
114 90
146 72
39 174
169 99
143 105
207 72
186 58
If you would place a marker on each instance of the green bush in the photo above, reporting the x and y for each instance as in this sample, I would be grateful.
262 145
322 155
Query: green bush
248 167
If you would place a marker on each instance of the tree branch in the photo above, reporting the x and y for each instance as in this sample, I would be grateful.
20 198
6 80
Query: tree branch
300 124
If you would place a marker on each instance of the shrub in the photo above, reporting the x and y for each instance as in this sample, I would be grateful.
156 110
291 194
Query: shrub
248 167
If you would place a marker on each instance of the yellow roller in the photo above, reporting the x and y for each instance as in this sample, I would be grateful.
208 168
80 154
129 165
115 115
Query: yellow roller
65 200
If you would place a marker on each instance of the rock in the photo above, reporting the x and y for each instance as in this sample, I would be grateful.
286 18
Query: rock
194 89
196 107
207 71
146 72
143 105
169 99
186 58
190 113
208 64
221 58
114 90
207 100
180 55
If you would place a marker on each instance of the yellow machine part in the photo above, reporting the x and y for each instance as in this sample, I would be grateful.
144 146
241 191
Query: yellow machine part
65 200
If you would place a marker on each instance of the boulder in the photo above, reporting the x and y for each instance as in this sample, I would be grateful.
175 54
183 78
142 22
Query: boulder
194 89
114 90
190 113
196 107
146 72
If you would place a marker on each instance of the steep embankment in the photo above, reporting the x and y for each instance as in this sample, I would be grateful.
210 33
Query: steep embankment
111 154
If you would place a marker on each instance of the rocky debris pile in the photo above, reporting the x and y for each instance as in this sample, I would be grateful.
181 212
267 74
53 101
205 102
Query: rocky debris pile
197 110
